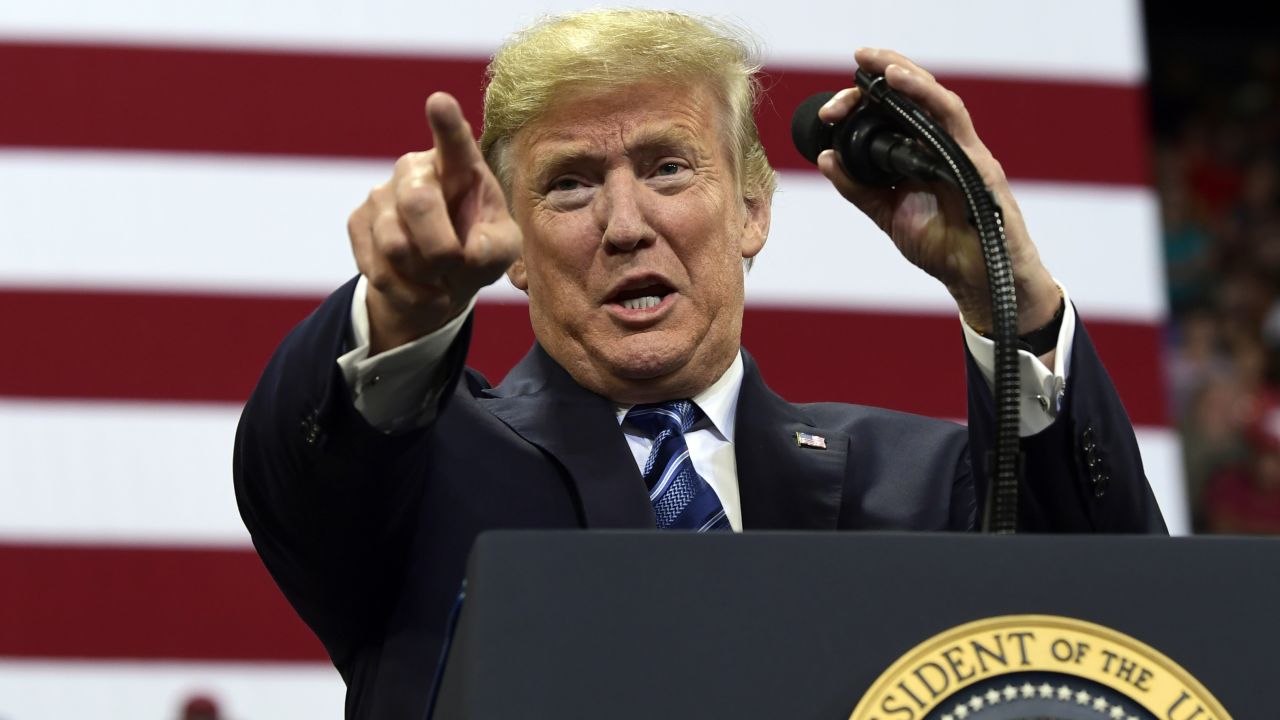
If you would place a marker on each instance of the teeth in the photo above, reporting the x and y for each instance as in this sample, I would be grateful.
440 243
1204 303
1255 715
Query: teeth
641 303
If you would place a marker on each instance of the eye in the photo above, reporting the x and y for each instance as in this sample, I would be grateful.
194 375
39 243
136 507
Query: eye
565 184
568 192
669 168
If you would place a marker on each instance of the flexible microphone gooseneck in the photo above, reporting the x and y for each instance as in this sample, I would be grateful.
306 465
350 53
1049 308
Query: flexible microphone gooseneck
888 140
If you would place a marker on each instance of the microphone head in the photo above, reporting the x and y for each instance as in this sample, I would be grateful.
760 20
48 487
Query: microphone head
859 139
809 134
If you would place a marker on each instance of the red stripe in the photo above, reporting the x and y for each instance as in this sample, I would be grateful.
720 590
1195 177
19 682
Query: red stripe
146 603
915 363
224 101
212 348
1038 129
139 346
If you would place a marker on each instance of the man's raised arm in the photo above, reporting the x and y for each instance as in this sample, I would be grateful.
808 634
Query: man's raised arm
1068 425
430 237
425 241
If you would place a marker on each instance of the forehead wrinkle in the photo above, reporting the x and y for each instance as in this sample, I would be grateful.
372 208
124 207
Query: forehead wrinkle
553 146
558 138
569 147
661 136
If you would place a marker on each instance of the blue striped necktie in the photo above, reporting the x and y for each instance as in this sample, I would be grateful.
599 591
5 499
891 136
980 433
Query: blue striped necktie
682 500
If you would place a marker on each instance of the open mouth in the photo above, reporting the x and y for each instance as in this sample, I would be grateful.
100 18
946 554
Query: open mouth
642 297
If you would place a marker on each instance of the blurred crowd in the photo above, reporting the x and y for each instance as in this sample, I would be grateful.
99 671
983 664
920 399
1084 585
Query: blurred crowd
1217 162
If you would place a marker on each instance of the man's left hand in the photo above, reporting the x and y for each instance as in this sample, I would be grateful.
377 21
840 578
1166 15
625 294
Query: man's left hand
928 222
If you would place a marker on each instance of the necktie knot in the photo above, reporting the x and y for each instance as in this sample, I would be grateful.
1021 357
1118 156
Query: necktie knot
671 416
681 498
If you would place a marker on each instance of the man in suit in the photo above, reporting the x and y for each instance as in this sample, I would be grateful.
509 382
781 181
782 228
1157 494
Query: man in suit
620 183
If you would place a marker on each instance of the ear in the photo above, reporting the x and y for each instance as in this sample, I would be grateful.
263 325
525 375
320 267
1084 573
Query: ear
755 229
517 275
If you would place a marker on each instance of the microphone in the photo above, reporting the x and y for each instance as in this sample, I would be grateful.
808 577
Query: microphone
870 147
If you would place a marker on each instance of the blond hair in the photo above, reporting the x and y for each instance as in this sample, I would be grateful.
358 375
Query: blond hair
607 49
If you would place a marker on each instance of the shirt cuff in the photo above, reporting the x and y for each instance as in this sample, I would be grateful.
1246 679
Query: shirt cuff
394 390
1042 389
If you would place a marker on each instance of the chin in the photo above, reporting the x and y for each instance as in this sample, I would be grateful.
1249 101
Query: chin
640 366
647 362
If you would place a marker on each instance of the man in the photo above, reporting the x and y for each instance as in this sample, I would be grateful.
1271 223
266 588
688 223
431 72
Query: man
620 183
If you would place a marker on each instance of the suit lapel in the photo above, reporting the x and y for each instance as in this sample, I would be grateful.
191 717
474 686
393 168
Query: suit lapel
782 484
579 429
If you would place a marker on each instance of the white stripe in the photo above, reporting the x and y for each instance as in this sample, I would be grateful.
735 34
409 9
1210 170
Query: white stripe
175 221
161 473
712 521
57 690
1102 242
1011 37
270 225
156 473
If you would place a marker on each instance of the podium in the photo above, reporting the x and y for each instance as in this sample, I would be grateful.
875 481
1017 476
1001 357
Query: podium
804 625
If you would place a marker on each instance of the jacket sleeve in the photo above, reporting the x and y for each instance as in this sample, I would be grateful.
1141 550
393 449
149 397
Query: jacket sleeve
328 499
1084 472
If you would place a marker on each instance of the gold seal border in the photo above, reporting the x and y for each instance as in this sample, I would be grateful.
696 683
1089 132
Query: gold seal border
872 702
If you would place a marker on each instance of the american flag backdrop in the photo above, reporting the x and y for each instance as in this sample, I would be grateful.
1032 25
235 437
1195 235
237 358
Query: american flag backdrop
174 184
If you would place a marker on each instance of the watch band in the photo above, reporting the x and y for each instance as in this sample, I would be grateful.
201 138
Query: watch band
1044 338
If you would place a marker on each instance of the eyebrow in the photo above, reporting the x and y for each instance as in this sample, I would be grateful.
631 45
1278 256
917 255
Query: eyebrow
647 141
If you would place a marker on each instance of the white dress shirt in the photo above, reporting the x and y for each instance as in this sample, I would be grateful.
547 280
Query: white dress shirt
710 440
394 390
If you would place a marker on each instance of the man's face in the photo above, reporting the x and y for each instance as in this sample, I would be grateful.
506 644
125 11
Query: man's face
634 235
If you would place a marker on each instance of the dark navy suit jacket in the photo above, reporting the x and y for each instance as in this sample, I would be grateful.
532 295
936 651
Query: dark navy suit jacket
367 534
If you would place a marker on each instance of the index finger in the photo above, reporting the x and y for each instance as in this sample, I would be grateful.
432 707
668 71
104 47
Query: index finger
840 104
921 86
456 149
876 60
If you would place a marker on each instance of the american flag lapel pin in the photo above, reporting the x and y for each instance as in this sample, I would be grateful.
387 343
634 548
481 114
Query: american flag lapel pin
805 440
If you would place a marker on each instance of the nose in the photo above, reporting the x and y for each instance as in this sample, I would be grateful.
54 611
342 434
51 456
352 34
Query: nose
621 213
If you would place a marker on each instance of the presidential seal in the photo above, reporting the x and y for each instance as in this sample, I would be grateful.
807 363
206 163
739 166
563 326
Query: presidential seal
1036 667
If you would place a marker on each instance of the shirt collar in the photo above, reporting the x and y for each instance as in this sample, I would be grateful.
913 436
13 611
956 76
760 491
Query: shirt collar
719 402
